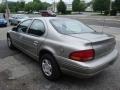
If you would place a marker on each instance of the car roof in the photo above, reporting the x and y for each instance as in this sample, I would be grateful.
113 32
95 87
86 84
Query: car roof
45 10
49 18
18 15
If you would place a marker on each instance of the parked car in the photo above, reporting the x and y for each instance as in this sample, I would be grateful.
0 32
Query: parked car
35 12
21 12
47 13
3 22
17 18
64 46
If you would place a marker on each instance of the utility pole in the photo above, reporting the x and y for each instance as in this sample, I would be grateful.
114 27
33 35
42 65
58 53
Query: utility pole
7 5
92 4
110 8
54 5
7 11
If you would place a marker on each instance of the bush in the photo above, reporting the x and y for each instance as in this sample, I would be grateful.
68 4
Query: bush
106 12
113 12
68 12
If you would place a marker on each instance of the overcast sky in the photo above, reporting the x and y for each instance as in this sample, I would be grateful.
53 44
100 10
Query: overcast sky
50 1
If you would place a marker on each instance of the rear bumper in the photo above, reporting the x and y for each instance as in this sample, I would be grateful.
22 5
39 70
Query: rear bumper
87 69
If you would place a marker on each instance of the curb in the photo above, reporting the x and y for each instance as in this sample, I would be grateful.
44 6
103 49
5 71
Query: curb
101 19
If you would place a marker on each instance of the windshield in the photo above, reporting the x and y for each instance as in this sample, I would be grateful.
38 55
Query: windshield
68 26
21 16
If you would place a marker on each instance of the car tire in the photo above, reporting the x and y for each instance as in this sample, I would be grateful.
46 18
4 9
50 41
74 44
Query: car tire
9 42
49 67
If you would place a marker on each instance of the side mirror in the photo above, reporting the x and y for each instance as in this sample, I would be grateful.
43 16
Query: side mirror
14 29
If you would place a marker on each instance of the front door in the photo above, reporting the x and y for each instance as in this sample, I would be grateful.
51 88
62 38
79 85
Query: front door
20 33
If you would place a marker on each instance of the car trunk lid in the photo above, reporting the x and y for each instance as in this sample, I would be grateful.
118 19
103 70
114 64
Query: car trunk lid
101 43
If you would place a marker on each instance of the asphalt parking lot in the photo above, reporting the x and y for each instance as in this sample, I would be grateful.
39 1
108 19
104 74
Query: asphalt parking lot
20 72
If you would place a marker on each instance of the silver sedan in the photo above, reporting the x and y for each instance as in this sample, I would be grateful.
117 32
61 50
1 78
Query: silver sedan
17 18
64 46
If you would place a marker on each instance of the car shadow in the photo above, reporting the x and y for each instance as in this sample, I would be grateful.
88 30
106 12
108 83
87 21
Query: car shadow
5 51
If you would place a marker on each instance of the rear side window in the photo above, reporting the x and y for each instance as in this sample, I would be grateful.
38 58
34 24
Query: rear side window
24 26
37 28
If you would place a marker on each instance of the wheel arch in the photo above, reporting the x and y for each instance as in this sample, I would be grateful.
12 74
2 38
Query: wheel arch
50 51
45 51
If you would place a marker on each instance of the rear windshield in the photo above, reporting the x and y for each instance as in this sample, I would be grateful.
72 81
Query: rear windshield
69 26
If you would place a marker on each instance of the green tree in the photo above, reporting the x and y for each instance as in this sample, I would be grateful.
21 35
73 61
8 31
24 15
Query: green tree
12 6
2 8
36 1
78 5
21 5
101 5
82 6
33 6
75 5
117 5
61 7
45 5
37 6
29 7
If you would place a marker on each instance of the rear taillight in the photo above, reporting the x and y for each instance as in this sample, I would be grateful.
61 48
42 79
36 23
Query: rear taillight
84 55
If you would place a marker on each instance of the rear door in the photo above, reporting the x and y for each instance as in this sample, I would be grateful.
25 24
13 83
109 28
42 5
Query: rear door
35 37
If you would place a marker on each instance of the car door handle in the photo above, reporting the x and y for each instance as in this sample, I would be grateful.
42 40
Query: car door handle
35 43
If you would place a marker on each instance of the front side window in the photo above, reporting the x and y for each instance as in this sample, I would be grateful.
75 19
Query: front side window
24 26
68 26
37 28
